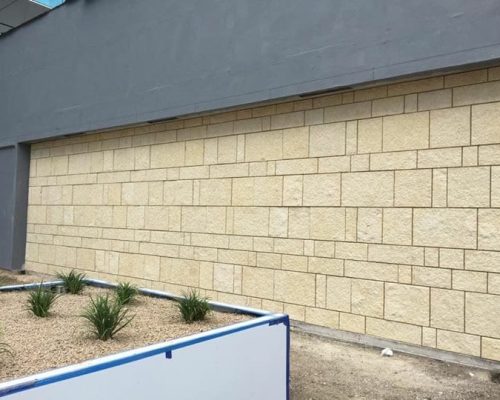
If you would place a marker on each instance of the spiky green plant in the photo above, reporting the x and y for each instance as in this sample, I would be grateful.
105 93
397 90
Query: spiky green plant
193 307
4 348
107 317
126 292
41 300
73 282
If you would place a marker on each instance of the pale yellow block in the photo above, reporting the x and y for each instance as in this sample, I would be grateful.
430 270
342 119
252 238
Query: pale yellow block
327 223
445 227
194 152
124 159
413 188
451 258
288 120
494 283
37 214
480 310
327 140
466 78
351 251
495 187
370 135
429 337
317 316
490 348
269 260
135 217
204 219
206 275
376 92
431 256
220 129
328 266
294 263
259 191
298 166
59 165
367 298
289 246
112 194
352 323
486 122
258 168
296 313
89 194
85 258
264 146
214 192
351 216
369 225
224 277
406 132
474 94
351 137
251 221
178 193
440 158
370 270
450 127
360 162
292 190
278 222
411 103
489 229
458 342
394 330
434 277
248 125
226 149
156 217
338 293
321 291
391 161
77 164
469 187
369 189
314 117
439 187
296 142
334 164
295 287
434 100
388 106
325 101
198 172
405 274
407 303
348 112
210 151
494 74
416 86
180 271
470 281
321 190
470 156
167 155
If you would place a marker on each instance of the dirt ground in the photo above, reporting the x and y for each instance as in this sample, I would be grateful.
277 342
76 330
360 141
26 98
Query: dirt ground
325 369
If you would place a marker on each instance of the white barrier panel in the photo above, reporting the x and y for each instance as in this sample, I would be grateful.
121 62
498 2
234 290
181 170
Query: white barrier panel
245 361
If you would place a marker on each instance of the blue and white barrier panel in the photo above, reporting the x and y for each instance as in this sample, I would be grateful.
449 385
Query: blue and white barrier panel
244 361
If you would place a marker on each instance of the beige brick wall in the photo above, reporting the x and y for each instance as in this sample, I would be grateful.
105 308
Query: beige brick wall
375 211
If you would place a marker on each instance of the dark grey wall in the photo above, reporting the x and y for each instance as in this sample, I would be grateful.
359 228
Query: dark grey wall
98 63
14 175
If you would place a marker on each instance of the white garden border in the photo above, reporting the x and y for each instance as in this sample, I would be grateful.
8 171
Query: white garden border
243 361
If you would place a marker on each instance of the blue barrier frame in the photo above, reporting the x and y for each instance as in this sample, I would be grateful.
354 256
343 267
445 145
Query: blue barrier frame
99 364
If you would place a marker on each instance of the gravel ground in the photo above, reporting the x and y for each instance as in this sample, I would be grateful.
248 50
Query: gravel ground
64 337
325 369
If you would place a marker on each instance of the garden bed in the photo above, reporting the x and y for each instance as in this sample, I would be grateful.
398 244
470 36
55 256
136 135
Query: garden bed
236 352
64 338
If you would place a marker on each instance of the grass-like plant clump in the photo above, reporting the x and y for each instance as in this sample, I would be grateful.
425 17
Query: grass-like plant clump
107 317
193 307
4 348
73 282
40 301
126 292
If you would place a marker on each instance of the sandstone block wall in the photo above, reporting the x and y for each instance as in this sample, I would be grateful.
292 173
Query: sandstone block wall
374 211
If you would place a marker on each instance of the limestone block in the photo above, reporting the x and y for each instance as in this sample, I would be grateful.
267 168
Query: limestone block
226 149
434 100
294 263
87 194
214 192
486 121
466 78
391 161
123 159
439 187
287 120
224 277
251 221
413 188
394 330
258 191
338 293
406 132
206 275
445 227
204 219
178 192
416 86
295 287
264 146
321 190
368 189
490 348
489 229
167 155
369 225
470 281
334 164
397 224
480 312
440 158
327 140
194 152
180 271
495 187
327 223
351 251
298 166
327 266
296 142
388 106
447 309
396 254
367 298
458 342
292 190
278 222
370 135
469 187
317 316
474 94
348 112
135 193
450 127
407 303
371 270
352 323
435 277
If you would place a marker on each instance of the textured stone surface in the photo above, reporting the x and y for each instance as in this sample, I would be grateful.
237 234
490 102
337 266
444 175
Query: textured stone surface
406 303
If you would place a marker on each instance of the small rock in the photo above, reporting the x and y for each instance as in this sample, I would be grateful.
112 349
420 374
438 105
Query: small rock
387 352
